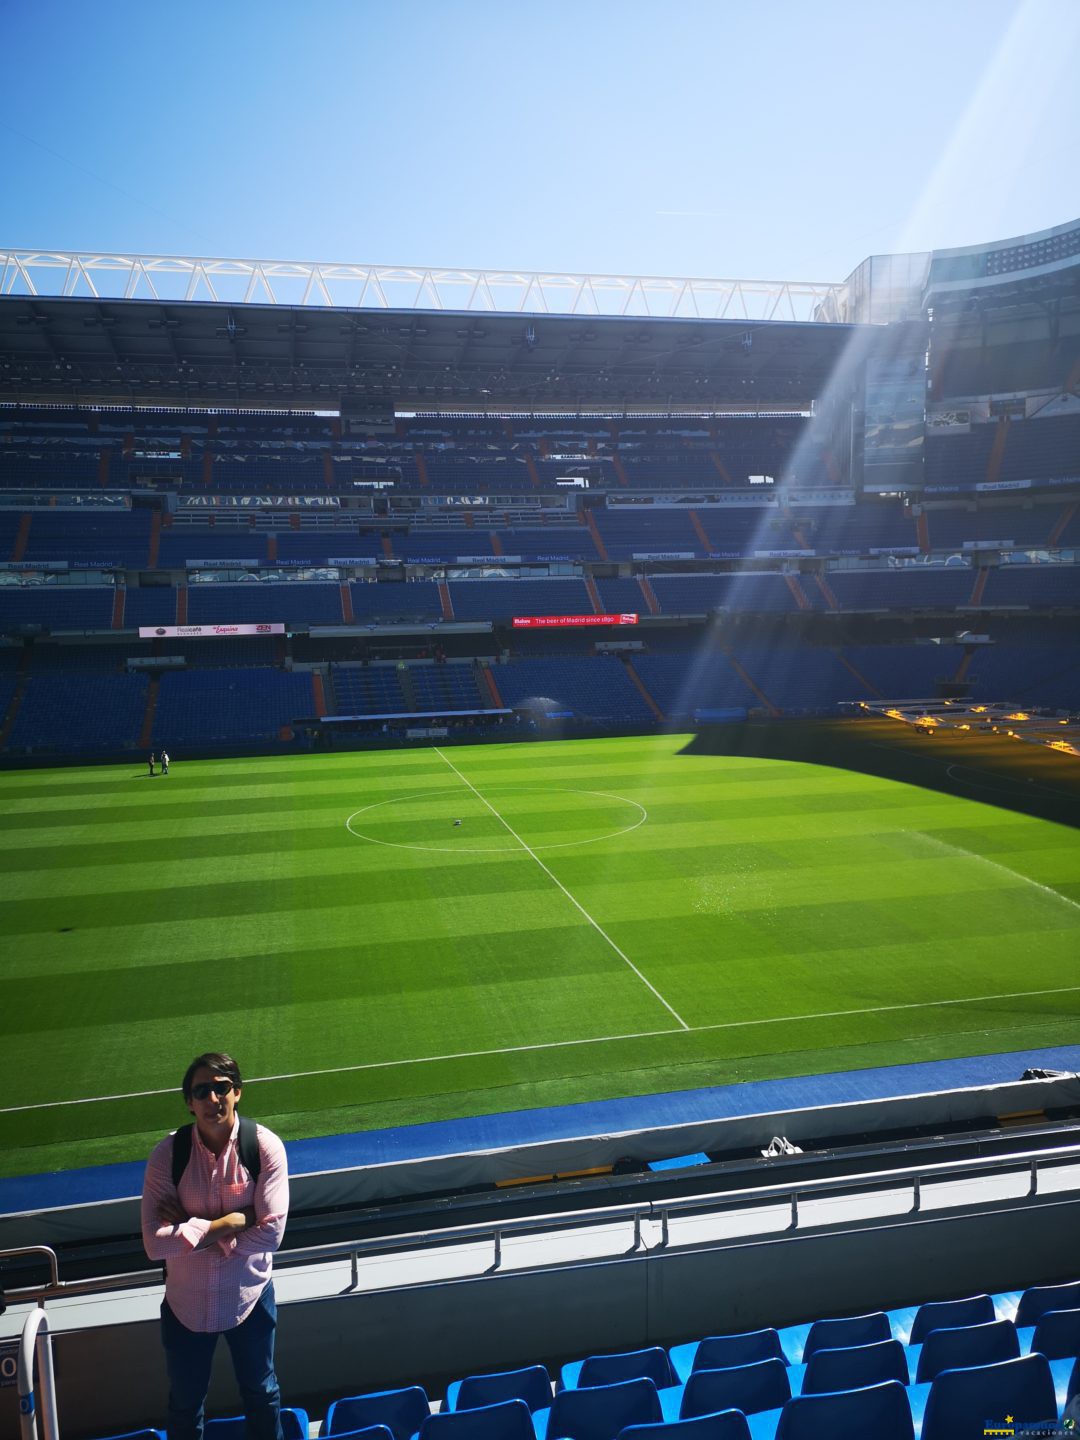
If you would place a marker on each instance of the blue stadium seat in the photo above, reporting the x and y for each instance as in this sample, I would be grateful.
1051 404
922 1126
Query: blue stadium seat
210 706
531 1384
852 1330
505 1420
651 1364
853 1366
368 1432
881 1411
1035 1301
724 1425
762 1385
294 1426
719 1352
963 1402
967 1345
948 1314
1057 1334
401 1411
599 1412
79 711
145 1434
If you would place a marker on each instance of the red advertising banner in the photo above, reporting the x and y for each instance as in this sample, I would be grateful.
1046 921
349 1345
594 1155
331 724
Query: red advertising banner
538 622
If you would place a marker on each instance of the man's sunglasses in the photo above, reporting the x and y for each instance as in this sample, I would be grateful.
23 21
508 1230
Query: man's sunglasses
218 1088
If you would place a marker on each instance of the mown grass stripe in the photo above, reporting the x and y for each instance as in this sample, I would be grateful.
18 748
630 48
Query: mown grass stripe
798 1018
573 900
759 889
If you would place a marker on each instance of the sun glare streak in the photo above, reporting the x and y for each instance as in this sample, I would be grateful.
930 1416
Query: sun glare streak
995 138
1001 119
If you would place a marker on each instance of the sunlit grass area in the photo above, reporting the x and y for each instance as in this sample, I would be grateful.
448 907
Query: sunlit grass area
388 938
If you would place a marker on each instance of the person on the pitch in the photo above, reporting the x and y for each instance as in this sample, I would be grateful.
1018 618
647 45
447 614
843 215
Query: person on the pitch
214 1205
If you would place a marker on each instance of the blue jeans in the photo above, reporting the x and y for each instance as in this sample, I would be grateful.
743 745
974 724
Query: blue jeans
188 1357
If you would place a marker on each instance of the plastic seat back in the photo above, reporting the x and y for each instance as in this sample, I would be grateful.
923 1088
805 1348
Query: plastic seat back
967 1345
147 1434
652 1364
531 1384
881 1411
842 1334
599 1412
505 1420
762 1385
232 1427
948 1314
369 1432
724 1425
962 1403
1039 1298
1057 1335
719 1352
401 1411
855 1366
294 1426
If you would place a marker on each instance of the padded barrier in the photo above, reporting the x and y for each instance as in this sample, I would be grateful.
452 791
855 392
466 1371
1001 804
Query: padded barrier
27 1224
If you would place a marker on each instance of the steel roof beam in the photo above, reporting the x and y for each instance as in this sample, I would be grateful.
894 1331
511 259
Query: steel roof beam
99 275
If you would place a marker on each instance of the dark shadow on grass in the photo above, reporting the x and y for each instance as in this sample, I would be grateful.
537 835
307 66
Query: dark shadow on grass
1029 779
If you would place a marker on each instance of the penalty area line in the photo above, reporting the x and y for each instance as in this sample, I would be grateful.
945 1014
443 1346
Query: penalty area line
576 903
563 1044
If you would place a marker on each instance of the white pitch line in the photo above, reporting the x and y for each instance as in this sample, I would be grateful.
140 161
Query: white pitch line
350 1069
576 903
997 865
1019 786
564 1044
489 849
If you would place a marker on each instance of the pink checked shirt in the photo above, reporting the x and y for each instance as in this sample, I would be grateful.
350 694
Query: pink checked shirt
214 1286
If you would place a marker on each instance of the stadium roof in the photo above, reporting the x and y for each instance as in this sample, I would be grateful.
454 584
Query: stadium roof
217 353
99 276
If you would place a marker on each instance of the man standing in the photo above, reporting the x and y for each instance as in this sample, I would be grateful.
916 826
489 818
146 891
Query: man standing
151 762
164 762
214 1204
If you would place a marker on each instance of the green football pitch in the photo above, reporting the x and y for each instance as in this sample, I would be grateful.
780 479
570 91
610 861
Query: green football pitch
609 918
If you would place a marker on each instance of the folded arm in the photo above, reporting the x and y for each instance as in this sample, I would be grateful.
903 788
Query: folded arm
167 1230
271 1207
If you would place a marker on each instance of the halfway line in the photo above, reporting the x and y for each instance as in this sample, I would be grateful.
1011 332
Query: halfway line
576 903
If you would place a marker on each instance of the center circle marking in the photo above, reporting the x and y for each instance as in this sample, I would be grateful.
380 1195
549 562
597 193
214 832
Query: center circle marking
643 815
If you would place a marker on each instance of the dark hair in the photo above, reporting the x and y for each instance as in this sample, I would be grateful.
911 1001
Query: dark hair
217 1064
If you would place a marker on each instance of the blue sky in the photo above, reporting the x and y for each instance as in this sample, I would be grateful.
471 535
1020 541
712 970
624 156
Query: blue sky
768 140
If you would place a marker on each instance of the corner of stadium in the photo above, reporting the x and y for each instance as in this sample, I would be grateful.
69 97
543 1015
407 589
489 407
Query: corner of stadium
621 803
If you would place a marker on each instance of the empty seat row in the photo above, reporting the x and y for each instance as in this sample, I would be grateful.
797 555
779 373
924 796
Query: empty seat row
941 1371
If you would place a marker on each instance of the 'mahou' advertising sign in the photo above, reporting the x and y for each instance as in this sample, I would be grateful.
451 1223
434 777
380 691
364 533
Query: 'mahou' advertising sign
540 622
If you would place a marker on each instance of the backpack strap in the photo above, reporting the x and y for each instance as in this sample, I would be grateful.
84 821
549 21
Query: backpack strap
181 1153
247 1148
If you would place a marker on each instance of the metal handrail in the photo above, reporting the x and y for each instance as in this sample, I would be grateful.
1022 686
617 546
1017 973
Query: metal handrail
54 1264
792 1193
883 1179
36 1337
